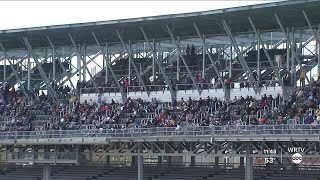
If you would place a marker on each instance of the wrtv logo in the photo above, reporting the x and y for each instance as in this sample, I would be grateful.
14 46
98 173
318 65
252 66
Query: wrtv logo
296 157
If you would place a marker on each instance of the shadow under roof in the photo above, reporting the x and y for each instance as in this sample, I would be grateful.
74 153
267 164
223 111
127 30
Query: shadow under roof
209 23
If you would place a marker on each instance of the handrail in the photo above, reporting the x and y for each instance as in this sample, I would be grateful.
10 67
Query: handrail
208 131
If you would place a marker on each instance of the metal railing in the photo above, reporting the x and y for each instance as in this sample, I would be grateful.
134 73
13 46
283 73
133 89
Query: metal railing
229 130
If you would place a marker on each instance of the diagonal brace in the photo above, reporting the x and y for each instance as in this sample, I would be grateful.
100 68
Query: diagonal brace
183 60
240 56
162 70
14 71
77 70
43 75
108 63
295 54
210 57
310 26
133 64
83 62
275 68
62 66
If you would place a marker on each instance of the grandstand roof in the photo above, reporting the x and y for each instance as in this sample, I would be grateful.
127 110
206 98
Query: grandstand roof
209 23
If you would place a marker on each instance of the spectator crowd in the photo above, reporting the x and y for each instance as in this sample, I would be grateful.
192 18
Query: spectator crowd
19 113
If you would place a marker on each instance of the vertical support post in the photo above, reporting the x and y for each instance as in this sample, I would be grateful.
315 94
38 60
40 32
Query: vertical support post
216 158
79 63
249 163
258 58
230 63
288 50
29 72
84 73
193 161
4 69
241 162
53 57
106 61
140 164
129 65
293 75
159 161
178 61
204 57
153 62
318 52
46 172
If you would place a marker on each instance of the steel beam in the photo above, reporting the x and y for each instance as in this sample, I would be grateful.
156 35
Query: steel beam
54 65
210 56
132 63
62 66
5 69
275 68
258 57
29 73
156 59
240 56
316 36
183 60
310 25
14 70
106 59
83 62
74 73
294 53
42 73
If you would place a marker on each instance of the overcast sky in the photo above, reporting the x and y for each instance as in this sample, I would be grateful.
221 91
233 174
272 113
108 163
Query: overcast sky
21 14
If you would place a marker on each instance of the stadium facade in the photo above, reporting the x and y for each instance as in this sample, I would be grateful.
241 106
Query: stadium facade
253 50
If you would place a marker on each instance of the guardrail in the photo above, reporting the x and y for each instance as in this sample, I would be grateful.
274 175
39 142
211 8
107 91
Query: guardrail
229 130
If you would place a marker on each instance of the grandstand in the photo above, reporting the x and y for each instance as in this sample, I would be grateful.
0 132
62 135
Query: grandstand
223 94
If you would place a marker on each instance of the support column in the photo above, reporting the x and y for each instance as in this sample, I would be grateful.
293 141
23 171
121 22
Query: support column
29 72
4 69
140 167
108 160
318 52
178 61
46 172
293 72
129 65
230 63
53 65
193 161
160 161
153 63
79 64
84 73
105 62
258 59
204 58
216 158
249 163
242 162
288 50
